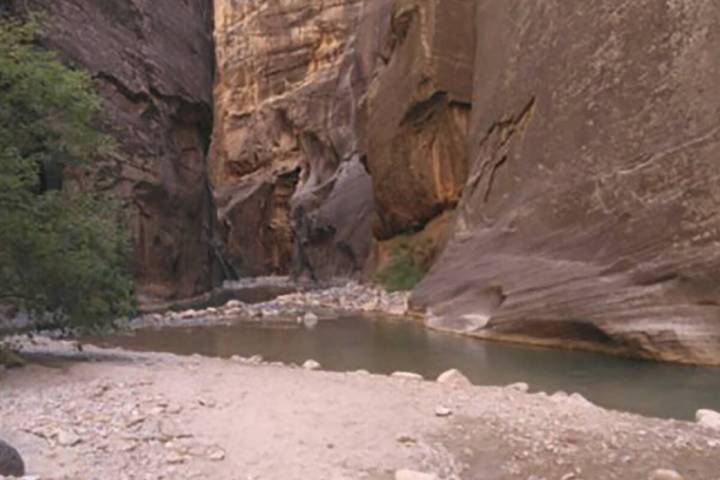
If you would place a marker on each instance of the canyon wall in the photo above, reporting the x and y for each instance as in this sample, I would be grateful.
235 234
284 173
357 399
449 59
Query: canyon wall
561 158
291 192
590 218
332 118
415 113
152 61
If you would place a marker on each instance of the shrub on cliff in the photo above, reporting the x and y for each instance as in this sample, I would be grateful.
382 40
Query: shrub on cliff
63 254
409 262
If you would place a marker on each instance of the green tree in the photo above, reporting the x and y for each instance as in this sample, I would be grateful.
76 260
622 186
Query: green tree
63 254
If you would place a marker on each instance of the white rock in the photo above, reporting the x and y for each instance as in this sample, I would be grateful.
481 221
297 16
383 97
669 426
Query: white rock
413 475
311 365
455 378
407 375
708 418
663 474
216 454
188 314
441 411
233 304
519 386
310 320
67 438
476 321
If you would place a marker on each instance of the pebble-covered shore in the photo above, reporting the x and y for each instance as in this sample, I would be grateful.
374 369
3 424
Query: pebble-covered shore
293 307
102 414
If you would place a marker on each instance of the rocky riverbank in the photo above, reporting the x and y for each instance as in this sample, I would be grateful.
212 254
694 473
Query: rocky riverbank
306 306
113 414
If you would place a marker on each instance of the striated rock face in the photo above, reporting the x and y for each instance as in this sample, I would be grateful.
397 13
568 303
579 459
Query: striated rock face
414 117
152 60
284 164
590 217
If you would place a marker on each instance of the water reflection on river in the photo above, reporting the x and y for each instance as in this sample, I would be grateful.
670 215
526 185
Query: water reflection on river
351 343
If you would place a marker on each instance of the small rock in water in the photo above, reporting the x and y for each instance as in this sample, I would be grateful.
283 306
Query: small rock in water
414 475
310 320
519 386
441 411
311 365
407 375
708 418
455 378
663 474
11 463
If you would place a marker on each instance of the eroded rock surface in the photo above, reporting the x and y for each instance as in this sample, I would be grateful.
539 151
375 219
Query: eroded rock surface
414 117
284 163
590 216
152 61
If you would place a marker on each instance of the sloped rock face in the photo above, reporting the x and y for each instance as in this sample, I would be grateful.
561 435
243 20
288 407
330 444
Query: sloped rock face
590 217
415 115
152 60
291 192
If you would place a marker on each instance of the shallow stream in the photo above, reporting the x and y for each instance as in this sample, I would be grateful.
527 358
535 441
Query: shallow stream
381 345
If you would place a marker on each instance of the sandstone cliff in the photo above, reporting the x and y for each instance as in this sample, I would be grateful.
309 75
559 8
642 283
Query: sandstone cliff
415 113
590 215
578 141
561 158
284 164
152 61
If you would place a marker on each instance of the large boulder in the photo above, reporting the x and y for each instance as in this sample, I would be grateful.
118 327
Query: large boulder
152 61
590 216
286 175
11 463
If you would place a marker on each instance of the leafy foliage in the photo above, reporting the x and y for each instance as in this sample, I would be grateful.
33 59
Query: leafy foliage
63 254
409 262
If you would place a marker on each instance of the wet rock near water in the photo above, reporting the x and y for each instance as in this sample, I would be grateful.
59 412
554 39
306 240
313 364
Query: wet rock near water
407 376
311 365
454 378
708 418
